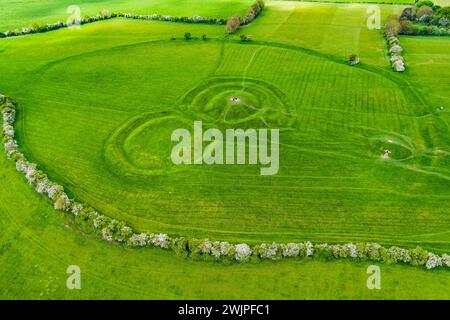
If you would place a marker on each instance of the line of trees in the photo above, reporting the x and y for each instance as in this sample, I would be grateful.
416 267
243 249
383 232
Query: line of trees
235 21
103 15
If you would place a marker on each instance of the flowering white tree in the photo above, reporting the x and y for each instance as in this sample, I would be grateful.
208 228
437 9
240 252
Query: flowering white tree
352 249
267 251
290 250
446 260
76 208
53 190
433 261
395 49
159 240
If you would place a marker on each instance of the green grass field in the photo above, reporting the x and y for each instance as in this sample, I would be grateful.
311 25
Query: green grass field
98 104
16 14
396 2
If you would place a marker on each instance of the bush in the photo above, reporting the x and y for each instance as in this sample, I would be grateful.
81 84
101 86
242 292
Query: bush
290 250
353 59
425 19
254 11
113 230
160 240
233 23
434 21
446 260
425 10
105 13
76 208
433 261
139 240
398 65
408 14
323 251
444 12
422 3
180 246
396 49
187 36
399 254
419 256
124 233
444 22
268 251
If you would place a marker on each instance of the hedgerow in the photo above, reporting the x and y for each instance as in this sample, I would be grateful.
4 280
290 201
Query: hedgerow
112 230
232 24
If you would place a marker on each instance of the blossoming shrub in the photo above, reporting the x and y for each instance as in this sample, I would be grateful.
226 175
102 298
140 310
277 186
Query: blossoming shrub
217 250
113 230
232 23
158 17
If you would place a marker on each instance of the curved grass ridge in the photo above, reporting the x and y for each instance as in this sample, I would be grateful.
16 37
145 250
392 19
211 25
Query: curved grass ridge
116 231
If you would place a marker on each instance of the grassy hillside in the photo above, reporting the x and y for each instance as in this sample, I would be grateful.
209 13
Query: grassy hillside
98 105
